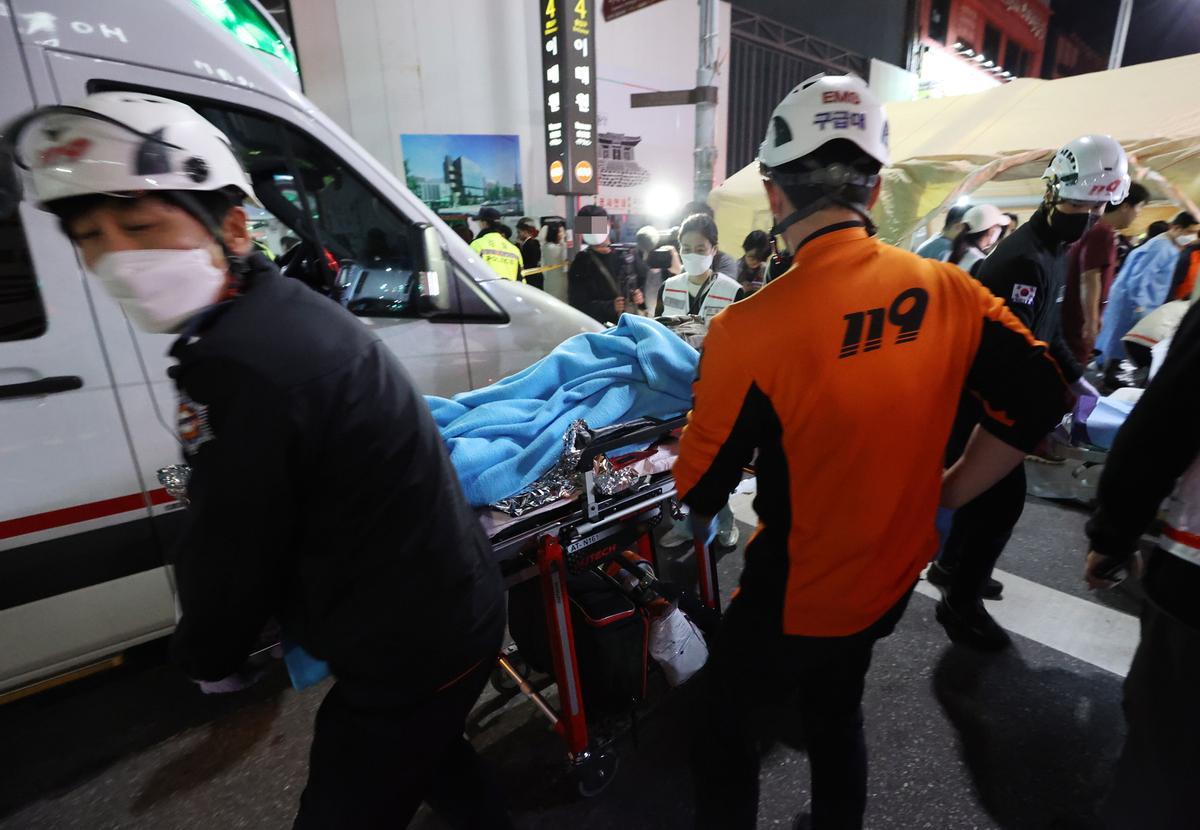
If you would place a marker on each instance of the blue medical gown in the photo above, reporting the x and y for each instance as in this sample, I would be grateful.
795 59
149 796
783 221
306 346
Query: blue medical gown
1141 287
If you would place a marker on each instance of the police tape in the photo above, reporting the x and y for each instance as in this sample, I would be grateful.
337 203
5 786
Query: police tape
529 272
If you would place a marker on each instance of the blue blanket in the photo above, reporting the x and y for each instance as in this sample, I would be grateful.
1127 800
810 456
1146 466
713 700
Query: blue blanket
503 437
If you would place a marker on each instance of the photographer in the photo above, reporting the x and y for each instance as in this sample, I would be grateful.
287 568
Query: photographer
596 284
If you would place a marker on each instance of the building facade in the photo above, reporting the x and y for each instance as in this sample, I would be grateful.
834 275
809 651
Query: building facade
971 45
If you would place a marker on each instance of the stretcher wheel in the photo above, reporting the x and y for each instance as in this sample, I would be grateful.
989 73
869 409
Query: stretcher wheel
503 682
594 771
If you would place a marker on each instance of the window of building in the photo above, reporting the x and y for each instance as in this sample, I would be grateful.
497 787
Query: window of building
991 42
22 315
939 20
1016 59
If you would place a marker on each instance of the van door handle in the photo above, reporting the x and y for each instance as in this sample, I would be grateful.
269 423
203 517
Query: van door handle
45 386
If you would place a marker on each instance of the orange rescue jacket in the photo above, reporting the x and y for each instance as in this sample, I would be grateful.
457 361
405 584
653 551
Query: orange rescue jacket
845 374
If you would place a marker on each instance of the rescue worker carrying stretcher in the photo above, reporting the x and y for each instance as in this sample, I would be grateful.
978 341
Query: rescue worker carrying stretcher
321 494
844 374
1028 272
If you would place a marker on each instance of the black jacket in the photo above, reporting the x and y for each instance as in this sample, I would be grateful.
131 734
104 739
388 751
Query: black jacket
322 496
1028 271
531 253
1157 443
593 289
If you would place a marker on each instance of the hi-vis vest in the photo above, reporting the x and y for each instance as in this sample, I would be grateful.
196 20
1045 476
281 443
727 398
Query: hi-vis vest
721 293
499 254
1181 531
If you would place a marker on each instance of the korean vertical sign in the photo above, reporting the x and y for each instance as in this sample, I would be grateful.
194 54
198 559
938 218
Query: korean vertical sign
569 94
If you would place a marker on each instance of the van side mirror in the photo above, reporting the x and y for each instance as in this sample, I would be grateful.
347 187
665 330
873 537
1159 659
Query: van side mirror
433 284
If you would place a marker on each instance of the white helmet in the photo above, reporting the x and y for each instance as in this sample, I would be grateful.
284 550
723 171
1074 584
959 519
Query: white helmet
120 143
824 108
1093 168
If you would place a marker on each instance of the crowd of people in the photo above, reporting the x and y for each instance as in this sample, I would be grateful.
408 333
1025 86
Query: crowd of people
370 559
1110 283
605 279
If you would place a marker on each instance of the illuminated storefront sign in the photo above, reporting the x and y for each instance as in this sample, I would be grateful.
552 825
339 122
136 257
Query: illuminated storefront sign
246 23
569 94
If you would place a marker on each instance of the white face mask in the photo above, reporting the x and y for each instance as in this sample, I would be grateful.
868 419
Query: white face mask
1185 240
160 290
595 238
696 264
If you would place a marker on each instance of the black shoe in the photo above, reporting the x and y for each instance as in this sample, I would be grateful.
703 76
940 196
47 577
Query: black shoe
940 577
972 627
802 821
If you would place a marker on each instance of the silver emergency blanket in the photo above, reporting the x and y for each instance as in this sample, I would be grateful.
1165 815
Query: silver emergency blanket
690 328
174 479
610 480
564 481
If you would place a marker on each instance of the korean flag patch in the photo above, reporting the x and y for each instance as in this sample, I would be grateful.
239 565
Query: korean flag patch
1024 294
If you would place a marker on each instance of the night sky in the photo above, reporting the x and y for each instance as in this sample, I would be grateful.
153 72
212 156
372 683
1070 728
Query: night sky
1159 29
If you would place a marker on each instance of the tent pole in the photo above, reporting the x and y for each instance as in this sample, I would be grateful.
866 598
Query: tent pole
1119 36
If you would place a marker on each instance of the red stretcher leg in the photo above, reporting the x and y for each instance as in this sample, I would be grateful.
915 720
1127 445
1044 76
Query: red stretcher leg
706 570
573 723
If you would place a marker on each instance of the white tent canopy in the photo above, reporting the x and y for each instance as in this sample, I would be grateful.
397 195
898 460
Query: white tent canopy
996 144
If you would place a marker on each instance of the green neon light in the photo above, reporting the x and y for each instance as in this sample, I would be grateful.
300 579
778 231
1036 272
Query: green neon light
245 22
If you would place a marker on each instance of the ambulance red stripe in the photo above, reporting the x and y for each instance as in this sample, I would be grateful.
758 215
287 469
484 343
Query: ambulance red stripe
80 513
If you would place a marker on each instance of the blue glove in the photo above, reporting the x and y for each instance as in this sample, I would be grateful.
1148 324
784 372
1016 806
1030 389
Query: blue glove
703 527
304 669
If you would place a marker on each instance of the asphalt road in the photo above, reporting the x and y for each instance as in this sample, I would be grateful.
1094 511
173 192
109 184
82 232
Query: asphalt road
1022 740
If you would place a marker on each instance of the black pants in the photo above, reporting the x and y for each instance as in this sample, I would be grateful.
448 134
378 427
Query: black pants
537 281
372 765
980 529
754 667
1156 777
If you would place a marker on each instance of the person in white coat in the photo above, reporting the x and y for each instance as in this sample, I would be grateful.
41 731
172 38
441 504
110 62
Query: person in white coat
702 292
698 290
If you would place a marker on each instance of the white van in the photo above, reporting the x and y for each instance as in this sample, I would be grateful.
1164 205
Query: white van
86 407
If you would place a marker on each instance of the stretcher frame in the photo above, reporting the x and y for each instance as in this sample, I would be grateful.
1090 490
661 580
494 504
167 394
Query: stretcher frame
588 532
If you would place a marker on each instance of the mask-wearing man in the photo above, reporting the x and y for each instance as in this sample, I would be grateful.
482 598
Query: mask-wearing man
1143 285
1027 272
861 347
597 283
320 493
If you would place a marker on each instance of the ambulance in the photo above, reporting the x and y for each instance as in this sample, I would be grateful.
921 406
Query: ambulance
87 410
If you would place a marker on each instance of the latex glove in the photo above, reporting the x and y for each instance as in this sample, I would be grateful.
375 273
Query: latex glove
240 680
1082 388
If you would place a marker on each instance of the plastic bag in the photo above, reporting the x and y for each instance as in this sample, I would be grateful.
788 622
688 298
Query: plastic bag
678 646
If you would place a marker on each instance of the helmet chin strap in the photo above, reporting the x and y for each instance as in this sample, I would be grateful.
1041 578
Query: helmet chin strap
238 267
821 203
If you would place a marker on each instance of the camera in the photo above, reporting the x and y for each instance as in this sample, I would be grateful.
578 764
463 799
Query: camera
660 258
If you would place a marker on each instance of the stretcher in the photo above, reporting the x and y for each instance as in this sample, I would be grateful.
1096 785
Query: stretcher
1073 457
583 531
